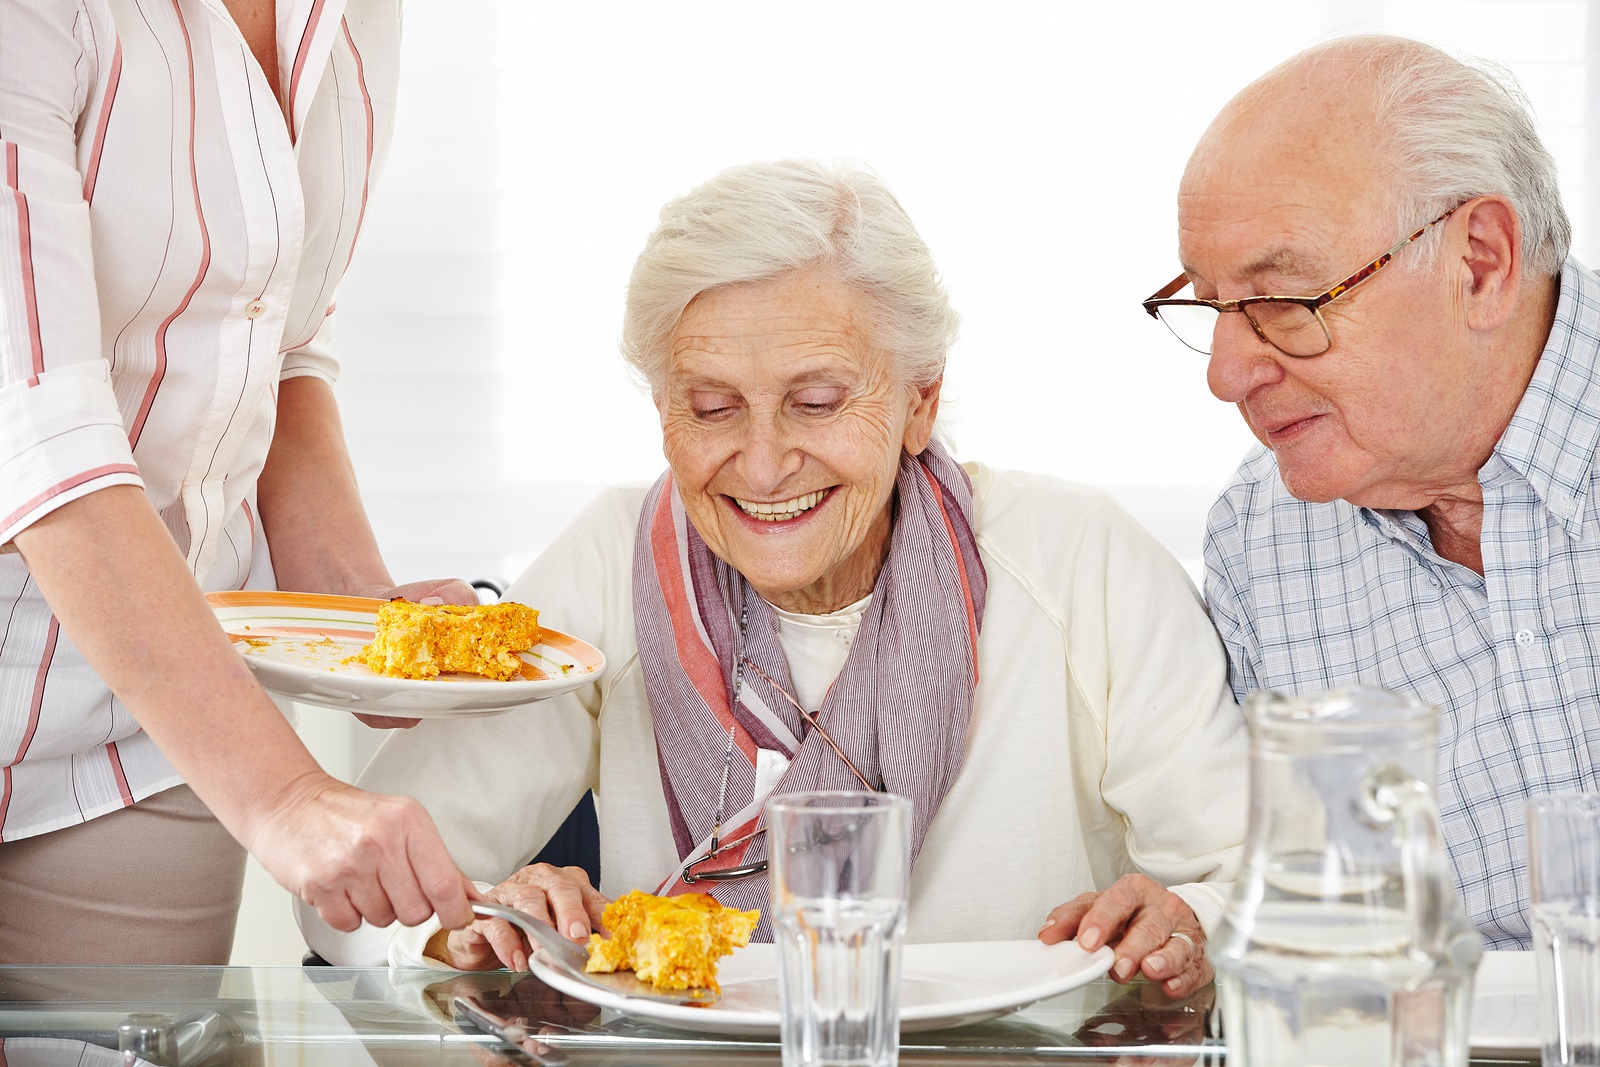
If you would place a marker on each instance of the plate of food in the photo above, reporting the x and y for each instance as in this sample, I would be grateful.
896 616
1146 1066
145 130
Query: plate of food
400 659
941 985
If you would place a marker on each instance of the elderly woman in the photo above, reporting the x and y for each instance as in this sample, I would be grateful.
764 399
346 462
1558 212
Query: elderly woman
816 596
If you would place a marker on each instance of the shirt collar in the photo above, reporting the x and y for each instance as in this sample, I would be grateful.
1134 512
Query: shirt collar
1554 434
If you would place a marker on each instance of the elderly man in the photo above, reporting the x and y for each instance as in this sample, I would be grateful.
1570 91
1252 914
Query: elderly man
1420 360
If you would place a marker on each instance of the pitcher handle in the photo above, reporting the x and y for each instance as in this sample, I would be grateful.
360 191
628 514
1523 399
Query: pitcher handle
1390 795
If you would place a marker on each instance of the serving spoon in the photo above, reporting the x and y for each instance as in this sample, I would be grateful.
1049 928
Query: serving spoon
567 956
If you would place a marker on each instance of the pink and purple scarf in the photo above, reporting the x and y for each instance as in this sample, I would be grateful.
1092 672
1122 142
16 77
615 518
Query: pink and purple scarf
899 707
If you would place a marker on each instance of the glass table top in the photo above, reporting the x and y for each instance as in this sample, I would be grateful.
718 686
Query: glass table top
198 1017
274 1017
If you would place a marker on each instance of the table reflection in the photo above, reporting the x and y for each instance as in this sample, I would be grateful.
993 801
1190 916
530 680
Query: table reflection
266 1017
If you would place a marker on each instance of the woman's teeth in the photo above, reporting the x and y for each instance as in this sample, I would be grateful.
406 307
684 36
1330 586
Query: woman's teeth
783 509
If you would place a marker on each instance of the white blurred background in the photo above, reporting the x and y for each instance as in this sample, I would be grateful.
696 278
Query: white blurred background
1036 143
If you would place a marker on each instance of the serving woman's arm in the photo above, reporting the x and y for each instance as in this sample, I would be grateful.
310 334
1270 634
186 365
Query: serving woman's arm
124 595
311 509
72 503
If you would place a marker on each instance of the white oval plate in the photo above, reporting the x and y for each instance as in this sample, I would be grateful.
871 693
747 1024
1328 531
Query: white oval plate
296 644
941 986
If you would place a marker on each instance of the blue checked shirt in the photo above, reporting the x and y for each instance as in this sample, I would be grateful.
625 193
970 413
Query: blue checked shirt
1312 596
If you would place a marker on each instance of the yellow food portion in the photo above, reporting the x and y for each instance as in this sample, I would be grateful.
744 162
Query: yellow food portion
425 640
670 942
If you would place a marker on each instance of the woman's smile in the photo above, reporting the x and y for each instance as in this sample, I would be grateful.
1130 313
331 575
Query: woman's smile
782 510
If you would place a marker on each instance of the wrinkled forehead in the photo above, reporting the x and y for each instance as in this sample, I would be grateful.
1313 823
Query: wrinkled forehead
796 325
1290 179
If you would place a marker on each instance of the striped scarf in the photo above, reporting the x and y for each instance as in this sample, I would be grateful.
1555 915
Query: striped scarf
899 707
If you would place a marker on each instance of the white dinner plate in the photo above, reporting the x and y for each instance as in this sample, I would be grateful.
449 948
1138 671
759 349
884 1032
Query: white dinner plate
1505 1004
941 986
297 644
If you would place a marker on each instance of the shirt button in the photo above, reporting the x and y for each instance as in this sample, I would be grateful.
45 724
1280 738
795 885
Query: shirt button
255 309
1524 638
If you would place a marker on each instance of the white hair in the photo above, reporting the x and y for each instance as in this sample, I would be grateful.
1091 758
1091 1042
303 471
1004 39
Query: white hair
760 220
1454 130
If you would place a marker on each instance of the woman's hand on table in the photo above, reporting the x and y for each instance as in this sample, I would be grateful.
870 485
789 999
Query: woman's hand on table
1141 919
561 896
432 591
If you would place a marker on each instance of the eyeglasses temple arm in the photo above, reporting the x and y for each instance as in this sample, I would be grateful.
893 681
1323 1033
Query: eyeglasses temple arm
1174 286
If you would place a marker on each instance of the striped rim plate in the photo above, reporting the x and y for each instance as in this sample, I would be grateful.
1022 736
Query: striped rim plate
297 645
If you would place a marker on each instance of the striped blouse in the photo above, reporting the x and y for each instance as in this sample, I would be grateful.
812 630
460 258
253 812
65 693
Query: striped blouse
170 245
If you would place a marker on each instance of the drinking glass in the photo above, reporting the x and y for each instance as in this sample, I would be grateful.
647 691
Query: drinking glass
1564 895
841 864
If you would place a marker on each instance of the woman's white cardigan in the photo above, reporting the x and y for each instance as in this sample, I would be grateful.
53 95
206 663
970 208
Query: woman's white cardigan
1103 738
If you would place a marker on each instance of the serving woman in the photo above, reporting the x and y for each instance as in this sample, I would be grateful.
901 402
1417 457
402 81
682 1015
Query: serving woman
816 596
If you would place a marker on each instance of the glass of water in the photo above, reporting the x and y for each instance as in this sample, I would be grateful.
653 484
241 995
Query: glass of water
840 865
1564 895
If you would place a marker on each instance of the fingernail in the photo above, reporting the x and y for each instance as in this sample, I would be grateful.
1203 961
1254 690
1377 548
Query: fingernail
431 600
520 961
1089 938
577 931
1124 968
1155 964
1174 983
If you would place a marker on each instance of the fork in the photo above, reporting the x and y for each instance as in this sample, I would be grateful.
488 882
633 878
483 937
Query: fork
567 956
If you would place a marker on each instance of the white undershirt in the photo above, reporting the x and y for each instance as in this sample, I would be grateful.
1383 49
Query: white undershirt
816 647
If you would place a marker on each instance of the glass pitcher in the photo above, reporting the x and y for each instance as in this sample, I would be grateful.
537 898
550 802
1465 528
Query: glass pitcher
1344 941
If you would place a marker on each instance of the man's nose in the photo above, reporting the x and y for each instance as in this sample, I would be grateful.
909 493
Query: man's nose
1241 361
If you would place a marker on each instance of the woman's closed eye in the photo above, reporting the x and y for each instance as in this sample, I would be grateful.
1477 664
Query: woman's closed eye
818 400
713 407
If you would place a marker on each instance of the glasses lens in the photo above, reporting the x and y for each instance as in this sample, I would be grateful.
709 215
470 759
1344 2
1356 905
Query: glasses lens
1294 329
1193 324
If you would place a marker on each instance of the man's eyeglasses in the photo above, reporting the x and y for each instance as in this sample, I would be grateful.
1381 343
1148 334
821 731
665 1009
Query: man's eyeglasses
1292 324
718 847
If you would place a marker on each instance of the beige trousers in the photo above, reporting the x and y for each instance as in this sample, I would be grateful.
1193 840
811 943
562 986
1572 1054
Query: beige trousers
155 883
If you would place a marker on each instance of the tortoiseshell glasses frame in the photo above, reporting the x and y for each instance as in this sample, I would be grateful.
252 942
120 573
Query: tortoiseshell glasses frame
1292 324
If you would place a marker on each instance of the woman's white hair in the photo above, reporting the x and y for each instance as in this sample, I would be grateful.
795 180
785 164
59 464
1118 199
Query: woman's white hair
1454 130
760 220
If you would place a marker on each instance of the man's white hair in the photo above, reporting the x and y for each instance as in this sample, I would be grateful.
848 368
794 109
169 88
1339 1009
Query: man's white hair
760 220
1455 130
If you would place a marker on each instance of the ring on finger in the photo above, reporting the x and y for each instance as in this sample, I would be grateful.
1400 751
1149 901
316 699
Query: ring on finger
1180 935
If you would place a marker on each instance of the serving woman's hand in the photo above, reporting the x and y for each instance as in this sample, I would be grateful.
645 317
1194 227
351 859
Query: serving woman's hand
561 896
1152 929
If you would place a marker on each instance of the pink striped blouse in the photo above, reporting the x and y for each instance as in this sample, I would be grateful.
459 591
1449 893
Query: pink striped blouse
169 250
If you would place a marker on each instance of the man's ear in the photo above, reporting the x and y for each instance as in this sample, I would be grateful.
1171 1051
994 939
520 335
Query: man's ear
924 410
1491 257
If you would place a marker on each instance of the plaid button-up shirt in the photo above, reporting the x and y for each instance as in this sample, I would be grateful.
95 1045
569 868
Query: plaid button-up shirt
1312 596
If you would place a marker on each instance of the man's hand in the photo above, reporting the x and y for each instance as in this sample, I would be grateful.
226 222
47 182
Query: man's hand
1144 920
561 896
354 855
